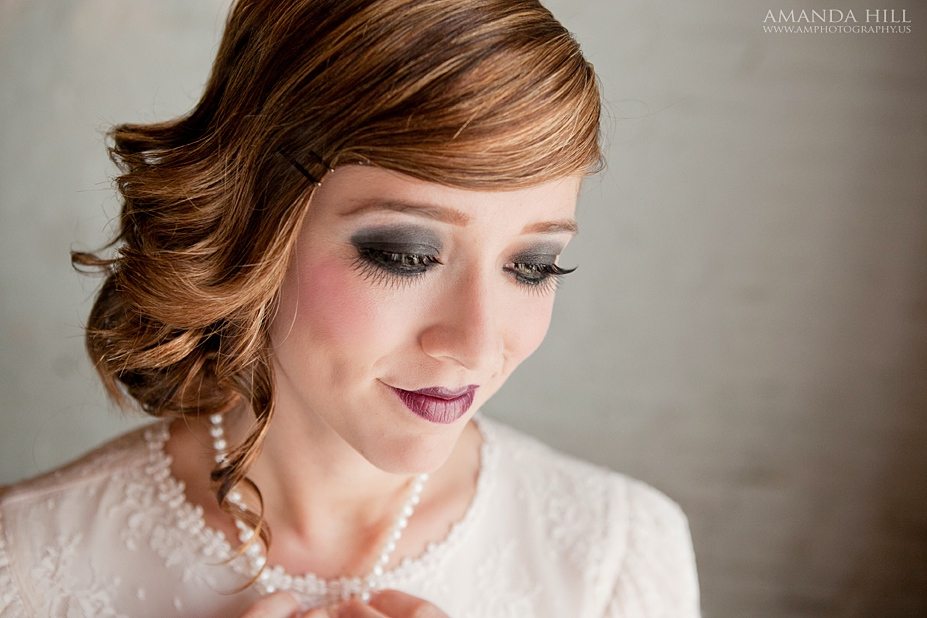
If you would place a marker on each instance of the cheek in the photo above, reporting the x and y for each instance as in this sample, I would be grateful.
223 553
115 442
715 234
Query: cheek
527 324
321 305
331 308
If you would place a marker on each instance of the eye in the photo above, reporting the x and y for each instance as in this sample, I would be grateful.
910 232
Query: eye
543 277
379 264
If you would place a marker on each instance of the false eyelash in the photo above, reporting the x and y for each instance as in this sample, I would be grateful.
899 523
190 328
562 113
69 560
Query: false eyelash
375 266
550 282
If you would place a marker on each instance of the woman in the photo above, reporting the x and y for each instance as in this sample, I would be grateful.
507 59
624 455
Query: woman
323 272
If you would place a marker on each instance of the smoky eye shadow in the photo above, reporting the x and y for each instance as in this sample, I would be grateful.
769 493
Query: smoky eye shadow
398 238
541 253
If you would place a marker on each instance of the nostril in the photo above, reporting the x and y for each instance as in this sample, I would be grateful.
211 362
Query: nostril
466 347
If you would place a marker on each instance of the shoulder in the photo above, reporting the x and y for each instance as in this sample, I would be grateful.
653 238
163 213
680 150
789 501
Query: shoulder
111 530
630 540
46 520
527 460
536 457
122 452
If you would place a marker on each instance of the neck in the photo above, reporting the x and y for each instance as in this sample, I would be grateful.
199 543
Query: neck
312 480
329 508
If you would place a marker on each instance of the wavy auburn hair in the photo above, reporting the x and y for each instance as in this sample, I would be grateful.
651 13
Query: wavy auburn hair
490 94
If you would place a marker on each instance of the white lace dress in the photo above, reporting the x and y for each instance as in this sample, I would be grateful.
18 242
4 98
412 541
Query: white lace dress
112 534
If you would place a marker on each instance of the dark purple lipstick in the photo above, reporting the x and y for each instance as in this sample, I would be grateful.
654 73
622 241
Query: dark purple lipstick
437 403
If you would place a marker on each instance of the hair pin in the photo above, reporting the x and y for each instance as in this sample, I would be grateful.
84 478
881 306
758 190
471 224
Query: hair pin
299 167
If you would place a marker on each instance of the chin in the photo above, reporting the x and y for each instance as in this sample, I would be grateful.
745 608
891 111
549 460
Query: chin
415 454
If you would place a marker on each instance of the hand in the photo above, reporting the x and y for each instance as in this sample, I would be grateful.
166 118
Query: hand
384 604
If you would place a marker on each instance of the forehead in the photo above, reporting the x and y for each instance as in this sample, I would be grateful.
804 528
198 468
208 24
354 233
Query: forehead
366 192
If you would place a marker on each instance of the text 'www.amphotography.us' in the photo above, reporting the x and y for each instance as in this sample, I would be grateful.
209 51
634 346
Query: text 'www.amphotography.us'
837 21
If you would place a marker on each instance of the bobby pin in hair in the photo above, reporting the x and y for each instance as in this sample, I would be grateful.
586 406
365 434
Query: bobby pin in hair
302 170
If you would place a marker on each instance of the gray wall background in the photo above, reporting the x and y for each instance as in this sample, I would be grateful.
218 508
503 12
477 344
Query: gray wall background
748 327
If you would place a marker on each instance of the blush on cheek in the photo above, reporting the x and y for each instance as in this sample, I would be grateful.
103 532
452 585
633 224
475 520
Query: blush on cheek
333 305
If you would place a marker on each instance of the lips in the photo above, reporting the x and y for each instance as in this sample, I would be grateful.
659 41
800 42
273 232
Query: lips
438 404
444 393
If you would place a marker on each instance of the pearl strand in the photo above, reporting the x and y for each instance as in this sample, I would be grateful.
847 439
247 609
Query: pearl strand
273 579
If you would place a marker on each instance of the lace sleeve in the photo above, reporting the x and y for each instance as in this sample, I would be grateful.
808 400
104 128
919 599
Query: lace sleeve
657 577
11 605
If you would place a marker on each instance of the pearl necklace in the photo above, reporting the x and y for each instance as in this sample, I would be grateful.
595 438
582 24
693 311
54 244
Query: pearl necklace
311 587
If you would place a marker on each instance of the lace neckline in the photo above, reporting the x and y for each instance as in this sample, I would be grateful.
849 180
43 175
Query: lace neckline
215 545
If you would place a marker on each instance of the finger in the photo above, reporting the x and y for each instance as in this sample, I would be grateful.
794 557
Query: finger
322 612
396 603
355 609
276 605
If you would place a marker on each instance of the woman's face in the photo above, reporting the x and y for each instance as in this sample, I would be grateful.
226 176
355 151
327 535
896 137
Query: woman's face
398 285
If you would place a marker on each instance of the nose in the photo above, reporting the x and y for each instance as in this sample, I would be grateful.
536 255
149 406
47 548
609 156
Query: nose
465 325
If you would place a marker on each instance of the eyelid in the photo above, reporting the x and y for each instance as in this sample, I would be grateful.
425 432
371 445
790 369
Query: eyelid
414 237
536 258
399 247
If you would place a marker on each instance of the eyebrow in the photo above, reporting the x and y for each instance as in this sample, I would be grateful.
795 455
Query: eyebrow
451 215
551 227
